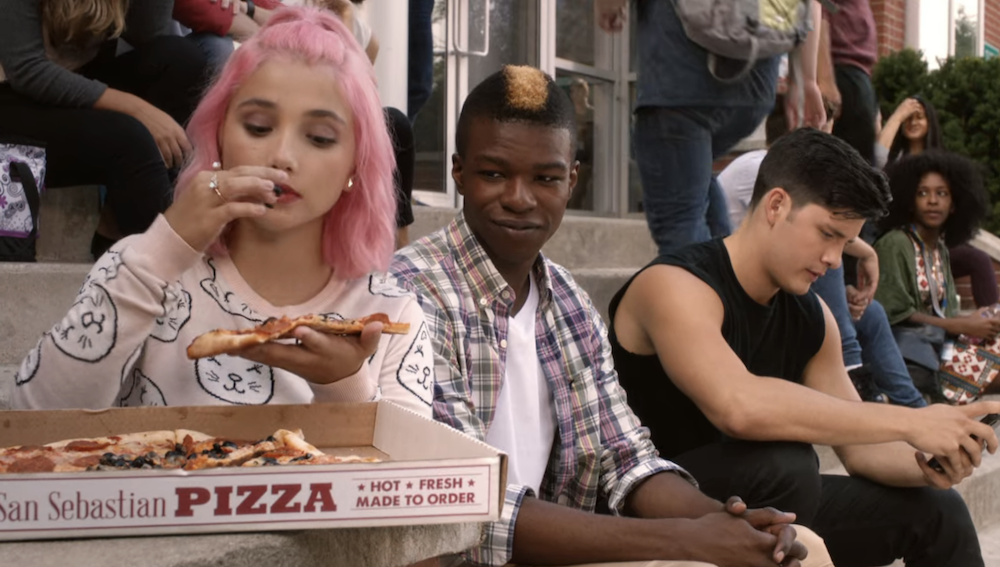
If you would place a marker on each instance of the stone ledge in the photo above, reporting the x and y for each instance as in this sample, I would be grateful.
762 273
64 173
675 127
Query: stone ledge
369 547
987 242
69 217
36 296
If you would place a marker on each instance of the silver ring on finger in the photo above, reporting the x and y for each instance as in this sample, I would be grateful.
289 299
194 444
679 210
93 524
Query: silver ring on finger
213 184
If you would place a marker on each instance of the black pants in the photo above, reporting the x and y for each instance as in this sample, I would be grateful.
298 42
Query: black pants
86 146
864 524
856 124
401 132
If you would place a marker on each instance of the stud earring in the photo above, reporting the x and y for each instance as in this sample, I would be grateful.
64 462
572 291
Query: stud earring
350 183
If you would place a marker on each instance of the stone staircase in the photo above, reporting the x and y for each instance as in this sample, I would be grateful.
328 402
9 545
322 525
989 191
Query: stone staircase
601 253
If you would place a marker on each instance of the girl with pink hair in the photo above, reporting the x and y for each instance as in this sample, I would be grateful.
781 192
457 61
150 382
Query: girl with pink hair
285 207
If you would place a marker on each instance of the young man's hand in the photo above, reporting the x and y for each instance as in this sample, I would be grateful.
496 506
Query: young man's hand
724 538
953 474
955 436
774 522
611 14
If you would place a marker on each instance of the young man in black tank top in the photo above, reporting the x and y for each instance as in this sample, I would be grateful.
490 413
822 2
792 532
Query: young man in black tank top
736 368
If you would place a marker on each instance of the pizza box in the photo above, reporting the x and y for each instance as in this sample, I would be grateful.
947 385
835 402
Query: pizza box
429 474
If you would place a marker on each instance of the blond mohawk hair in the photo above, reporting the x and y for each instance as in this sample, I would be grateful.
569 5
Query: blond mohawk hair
527 87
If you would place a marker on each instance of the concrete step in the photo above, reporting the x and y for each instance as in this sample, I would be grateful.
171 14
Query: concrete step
989 540
67 222
582 242
36 296
69 217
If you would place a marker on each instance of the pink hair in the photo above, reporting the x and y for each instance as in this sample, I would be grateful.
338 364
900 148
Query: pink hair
359 231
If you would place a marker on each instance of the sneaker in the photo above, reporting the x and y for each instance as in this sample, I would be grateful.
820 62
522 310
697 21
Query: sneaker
864 383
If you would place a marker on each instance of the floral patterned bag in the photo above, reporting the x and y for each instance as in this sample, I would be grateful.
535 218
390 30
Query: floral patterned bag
22 175
969 365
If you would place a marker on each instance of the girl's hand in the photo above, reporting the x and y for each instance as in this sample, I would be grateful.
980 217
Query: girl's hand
319 358
906 109
980 324
213 199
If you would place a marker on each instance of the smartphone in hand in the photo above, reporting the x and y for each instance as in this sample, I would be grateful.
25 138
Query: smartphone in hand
993 420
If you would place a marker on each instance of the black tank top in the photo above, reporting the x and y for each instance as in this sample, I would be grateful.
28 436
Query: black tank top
775 340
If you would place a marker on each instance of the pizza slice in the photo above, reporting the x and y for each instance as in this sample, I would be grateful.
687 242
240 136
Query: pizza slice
217 453
135 450
222 341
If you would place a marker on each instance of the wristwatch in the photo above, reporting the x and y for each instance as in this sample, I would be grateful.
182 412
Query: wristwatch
250 8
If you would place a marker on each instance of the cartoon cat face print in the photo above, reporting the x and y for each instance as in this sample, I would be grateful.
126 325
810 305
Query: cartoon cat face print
380 284
90 329
139 390
30 364
176 313
235 380
226 299
104 270
416 370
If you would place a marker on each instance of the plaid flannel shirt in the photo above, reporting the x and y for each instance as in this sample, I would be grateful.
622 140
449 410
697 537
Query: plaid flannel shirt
600 450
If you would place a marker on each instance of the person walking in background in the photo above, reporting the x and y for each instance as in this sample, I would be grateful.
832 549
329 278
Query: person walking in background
104 120
421 57
686 118
848 51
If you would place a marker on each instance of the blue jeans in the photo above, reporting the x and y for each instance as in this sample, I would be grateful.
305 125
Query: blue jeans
421 57
869 341
881 353
675 148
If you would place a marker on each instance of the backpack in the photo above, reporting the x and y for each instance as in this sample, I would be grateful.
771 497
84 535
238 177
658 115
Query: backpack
22 175
745 30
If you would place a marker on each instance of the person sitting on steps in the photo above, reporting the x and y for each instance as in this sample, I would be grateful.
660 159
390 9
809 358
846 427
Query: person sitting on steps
523 363
724 342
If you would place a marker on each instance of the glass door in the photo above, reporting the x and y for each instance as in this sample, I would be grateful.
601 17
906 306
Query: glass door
472 40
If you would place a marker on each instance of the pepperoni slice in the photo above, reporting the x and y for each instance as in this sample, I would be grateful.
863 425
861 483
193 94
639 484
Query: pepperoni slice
88 461
85 445
34 464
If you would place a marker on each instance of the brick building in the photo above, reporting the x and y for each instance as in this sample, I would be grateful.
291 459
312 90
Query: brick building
917 24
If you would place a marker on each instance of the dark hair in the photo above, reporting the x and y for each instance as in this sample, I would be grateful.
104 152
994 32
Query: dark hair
968 196
517 94
776 125
814 167
932 141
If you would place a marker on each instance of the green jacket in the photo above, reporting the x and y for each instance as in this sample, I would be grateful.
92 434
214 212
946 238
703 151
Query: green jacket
897 287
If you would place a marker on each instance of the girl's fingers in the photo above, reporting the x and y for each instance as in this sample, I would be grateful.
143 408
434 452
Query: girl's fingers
244 188
237 210
275 175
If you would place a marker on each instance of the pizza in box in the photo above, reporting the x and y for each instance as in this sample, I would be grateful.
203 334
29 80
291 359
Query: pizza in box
167 449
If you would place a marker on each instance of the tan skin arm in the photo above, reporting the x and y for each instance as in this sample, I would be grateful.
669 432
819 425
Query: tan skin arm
893 463
824 73
746 406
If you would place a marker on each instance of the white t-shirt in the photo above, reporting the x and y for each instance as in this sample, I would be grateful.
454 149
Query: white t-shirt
737 182
524 425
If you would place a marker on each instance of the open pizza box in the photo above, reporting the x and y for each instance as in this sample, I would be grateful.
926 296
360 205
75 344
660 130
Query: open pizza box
428 474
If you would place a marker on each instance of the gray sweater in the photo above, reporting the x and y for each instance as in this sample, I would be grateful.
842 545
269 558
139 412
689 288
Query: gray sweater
30 71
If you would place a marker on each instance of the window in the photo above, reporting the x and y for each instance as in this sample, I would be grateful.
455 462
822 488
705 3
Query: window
967 28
